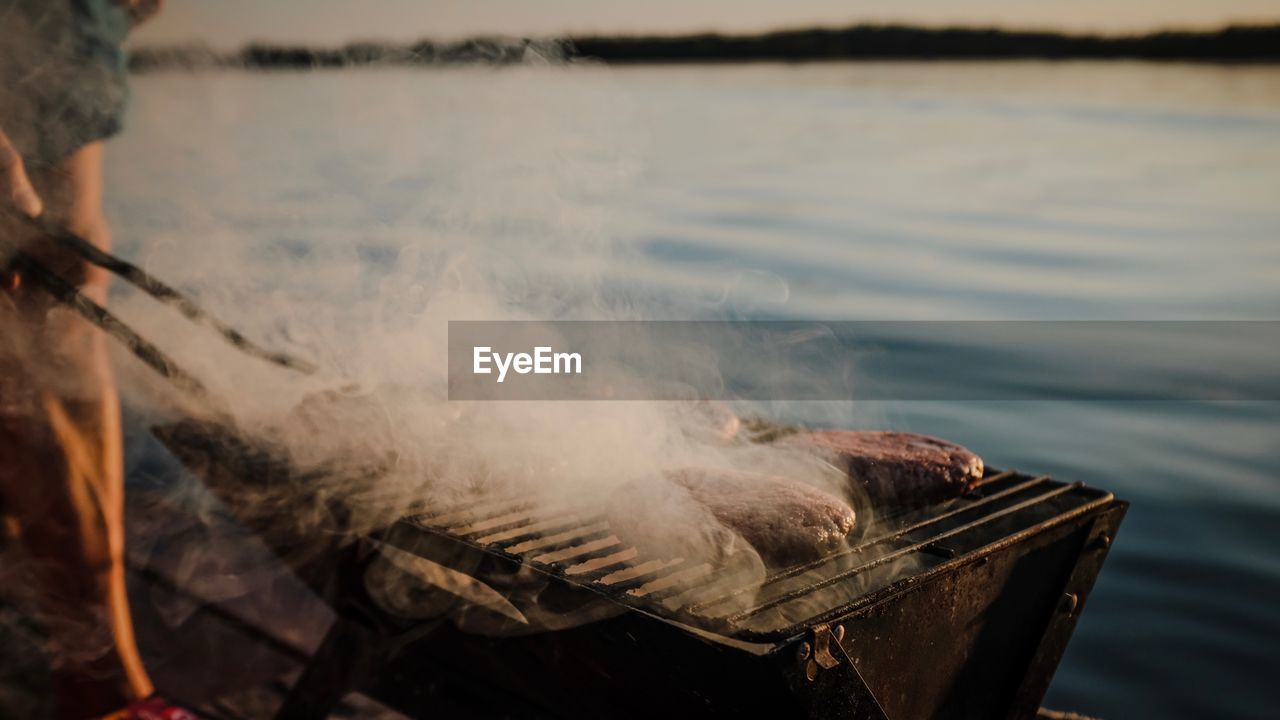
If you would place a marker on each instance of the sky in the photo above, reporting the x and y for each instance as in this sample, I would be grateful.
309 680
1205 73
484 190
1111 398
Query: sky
233 22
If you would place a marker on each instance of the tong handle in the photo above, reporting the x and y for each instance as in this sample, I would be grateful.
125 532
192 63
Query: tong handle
163 292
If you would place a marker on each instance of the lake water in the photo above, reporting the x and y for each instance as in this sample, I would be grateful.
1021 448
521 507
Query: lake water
955 191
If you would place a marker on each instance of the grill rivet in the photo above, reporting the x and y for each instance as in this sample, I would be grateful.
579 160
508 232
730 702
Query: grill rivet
1104 541
803 651
839 633
1069 603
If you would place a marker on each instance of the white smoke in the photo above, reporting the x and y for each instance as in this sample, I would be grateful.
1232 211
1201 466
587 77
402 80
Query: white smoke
345 217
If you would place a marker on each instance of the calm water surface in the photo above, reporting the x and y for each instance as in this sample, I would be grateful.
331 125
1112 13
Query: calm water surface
861 191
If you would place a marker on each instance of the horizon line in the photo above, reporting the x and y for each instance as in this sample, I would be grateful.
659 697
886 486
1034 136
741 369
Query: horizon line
1206 30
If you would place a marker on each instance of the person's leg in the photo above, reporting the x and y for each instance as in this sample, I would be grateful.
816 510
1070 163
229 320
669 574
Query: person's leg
61 478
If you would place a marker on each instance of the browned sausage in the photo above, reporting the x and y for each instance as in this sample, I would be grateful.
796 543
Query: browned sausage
785 521
895 469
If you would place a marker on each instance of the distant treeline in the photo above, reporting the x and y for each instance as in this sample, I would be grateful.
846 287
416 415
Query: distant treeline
260 55
1233 44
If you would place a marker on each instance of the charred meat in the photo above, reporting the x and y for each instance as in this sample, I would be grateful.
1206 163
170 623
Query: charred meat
785 521
895 469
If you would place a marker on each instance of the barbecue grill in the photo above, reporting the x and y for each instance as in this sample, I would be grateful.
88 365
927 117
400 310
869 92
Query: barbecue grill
960 610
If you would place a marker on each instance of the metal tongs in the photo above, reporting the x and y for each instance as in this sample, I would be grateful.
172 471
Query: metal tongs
69 295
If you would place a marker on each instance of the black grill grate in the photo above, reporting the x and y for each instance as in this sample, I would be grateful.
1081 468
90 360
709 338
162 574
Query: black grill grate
577 546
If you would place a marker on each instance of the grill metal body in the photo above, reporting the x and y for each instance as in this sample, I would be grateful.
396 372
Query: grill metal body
957 611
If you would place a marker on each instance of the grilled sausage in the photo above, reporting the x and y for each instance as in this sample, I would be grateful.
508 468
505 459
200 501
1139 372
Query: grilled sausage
895 469
786 521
